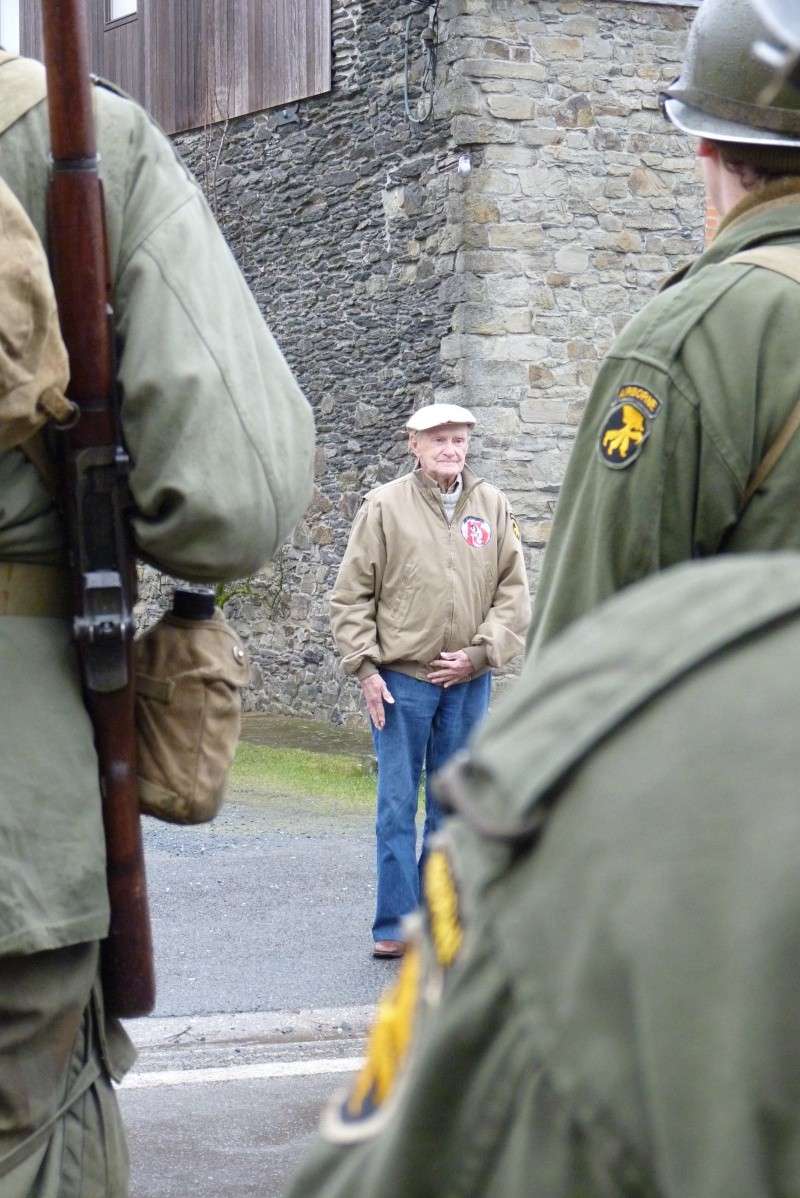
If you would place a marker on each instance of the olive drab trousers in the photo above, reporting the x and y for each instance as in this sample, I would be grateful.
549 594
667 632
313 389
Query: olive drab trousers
61 1134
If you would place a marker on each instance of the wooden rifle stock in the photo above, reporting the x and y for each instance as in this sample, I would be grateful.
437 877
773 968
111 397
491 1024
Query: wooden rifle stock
95 490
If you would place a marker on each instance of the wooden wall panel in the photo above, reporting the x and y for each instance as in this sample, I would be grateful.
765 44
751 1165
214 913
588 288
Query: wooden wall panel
196 62
190 66
30 29
296 52
120 53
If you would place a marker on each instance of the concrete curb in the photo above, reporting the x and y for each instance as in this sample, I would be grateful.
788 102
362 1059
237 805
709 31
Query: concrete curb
268 1027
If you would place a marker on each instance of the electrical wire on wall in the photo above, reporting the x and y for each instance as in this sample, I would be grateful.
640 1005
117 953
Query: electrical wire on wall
429 38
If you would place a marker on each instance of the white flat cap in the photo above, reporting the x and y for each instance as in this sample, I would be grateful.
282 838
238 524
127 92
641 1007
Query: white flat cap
434 414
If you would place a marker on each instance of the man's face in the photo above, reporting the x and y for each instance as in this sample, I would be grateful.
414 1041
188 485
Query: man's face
441 451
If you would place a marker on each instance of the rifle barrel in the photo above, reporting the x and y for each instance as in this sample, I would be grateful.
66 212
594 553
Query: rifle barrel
81 278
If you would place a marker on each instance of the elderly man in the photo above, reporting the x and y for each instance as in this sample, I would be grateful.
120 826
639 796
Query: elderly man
430 596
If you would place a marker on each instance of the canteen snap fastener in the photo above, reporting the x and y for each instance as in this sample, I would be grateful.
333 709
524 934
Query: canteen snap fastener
238 653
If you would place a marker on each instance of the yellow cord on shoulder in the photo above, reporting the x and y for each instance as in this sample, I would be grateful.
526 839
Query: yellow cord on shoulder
442 901
390 1037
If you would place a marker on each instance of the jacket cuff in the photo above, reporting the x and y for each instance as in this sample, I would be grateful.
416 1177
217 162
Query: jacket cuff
366 669
479 657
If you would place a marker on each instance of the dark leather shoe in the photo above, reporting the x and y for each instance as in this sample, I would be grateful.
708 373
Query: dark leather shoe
388 948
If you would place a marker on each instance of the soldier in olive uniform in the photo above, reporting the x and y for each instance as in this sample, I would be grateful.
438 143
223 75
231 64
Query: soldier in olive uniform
602 997
699 387
221 441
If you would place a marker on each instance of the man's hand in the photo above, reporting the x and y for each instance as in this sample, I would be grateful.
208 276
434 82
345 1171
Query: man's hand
376 693
450 668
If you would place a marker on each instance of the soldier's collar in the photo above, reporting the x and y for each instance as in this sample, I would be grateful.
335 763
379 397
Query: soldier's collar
575 694
783 193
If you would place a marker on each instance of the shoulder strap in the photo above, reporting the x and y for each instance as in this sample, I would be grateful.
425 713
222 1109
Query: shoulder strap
782 260
22 86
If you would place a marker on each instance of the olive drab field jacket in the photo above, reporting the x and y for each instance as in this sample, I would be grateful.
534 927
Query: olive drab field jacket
221 442
686 405
600 998
411 584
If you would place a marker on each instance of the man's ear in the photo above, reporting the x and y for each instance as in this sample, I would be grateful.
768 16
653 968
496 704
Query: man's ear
707 149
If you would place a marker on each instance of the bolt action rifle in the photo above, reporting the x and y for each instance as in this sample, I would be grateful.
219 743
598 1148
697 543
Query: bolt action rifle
94 469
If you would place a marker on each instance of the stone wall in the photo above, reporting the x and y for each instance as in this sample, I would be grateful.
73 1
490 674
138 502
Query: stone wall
581 199
390 280
335 209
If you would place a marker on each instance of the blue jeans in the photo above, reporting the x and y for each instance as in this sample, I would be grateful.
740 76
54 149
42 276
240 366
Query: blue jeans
426 724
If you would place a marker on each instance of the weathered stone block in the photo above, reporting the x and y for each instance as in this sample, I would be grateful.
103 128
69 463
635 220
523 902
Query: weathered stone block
543 411
469 130
539 136
490 320
477 373
486 68
481 209
643 182
559 47
511 108
515 236
572 261
536 533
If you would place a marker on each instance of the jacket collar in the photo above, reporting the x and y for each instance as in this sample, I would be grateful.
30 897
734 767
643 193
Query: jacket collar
770 213
469 480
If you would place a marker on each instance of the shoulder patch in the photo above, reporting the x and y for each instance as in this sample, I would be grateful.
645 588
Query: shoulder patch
441 901
622 437
361 1113
627 426
515 529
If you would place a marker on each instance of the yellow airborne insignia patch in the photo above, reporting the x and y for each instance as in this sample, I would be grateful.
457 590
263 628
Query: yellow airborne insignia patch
441 898
359 1114
623 435
627 426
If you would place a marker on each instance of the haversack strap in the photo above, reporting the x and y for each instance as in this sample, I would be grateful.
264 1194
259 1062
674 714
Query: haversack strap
781 260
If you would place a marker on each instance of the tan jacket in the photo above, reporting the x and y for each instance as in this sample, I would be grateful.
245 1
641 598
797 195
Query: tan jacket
411 585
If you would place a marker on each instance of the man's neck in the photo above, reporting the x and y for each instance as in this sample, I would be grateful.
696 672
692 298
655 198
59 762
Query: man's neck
444 484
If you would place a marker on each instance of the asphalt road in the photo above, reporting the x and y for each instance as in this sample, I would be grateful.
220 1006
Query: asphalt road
229 1104
267 908
266 989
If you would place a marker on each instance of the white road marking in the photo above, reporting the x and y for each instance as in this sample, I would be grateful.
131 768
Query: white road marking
235 1073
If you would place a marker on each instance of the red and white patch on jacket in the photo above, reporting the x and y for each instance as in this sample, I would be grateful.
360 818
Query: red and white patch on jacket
476 531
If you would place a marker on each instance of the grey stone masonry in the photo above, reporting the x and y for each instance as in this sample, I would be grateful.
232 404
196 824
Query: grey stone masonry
580 201
389 279
336 211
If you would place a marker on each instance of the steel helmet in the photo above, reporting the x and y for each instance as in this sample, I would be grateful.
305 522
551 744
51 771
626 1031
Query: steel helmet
719 93
782 52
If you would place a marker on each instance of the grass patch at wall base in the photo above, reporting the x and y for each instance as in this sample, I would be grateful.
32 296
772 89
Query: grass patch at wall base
261 769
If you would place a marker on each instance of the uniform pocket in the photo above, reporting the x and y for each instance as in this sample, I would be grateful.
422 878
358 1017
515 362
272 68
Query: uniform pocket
188 716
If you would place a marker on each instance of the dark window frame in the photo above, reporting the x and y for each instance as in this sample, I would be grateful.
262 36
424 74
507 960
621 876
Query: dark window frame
115 22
